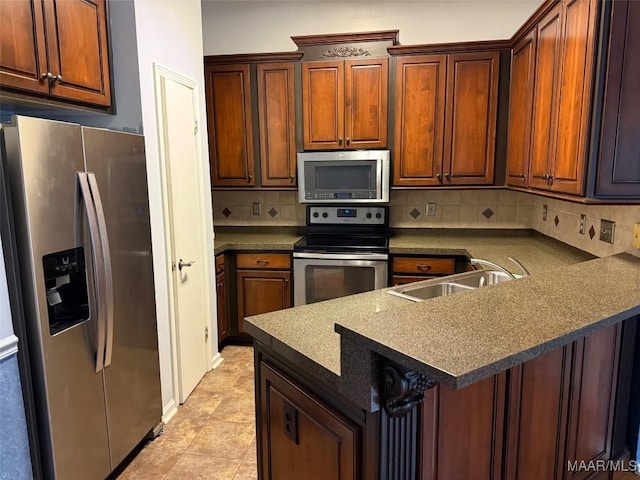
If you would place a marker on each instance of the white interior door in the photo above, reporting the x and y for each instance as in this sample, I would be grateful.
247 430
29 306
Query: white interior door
178 112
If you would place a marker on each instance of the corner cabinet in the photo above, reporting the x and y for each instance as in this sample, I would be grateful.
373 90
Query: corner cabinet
251 120
57 49
445 119
344 104
555 147
618 173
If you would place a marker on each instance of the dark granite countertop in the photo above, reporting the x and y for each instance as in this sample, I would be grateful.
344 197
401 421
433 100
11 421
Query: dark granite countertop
460 339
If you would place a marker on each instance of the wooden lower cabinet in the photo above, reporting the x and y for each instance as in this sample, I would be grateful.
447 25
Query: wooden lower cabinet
223 315
261 291
561 409
301 437
462 431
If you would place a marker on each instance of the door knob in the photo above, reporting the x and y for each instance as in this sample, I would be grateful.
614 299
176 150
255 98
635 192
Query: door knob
182 264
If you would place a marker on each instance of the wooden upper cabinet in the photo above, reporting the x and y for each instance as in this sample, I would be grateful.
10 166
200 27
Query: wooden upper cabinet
276 112
619 154
366 84
229 122
82 72
471 113
23 56
344 104
56 47
419 120
520 109
544 98
323 105
574 95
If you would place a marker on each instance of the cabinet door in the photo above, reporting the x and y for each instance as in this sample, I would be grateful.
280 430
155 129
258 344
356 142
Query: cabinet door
574 100
593 398
520 106
419 120
462 431
366 93
23 59
619 159
78 54
323 105
261 291
470 132
221 299
300 437
229 124
537 417
544 98
276 111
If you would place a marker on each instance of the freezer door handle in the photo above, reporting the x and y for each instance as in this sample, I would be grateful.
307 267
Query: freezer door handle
108 271
98 266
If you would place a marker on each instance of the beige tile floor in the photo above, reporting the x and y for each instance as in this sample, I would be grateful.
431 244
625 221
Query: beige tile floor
213 435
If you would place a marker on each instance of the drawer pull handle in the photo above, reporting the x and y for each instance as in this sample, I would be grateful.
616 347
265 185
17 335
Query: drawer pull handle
423 268
262 262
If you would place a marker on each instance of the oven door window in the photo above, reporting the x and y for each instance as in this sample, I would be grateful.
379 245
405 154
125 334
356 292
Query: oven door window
327 282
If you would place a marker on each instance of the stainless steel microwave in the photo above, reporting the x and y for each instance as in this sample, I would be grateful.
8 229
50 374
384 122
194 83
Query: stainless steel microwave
352 176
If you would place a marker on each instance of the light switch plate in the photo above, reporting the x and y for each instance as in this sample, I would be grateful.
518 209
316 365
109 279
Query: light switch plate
257 208
607 228
636 236
544 212
431 209
583 223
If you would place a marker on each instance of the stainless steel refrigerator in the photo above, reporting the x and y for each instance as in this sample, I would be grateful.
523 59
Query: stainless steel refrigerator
83 245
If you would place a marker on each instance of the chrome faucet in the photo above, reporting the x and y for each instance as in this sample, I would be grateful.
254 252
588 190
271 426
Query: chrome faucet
479 261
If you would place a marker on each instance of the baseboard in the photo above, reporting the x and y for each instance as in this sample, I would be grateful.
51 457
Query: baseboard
216 361
169 410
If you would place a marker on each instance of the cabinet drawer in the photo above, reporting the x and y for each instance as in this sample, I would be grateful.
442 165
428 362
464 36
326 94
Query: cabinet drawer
219 264
428 266
263 260
403 279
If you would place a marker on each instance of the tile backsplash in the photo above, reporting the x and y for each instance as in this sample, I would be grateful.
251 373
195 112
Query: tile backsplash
563 223
480 208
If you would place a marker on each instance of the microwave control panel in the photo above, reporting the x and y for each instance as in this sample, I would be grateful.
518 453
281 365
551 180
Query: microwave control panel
351 215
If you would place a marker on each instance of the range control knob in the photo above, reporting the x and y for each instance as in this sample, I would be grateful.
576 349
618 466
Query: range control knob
378 215
325 214
316 214
368 215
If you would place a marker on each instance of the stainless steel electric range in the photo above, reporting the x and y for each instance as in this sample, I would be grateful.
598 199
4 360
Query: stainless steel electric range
345 251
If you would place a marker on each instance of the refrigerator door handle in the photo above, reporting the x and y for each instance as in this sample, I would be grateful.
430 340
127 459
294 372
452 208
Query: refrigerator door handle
108 271
98 267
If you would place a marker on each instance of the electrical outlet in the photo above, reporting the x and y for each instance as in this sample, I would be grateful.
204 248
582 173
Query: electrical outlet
257 208
430 209
636 236
583 222
544 212
607 228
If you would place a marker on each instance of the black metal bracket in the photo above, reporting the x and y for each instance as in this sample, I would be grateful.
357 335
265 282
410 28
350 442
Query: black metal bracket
403 389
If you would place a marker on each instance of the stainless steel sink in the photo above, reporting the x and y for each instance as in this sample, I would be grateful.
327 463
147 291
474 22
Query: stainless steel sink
425 292
462 282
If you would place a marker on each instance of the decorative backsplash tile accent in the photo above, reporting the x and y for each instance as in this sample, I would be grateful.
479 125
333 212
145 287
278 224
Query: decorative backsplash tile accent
415 213
567 229
273 212
226 212
487 213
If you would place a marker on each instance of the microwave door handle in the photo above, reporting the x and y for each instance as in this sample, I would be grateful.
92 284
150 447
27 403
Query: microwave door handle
98 267
378 179
108 271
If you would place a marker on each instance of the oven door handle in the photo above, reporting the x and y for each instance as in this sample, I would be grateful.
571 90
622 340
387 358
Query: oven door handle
342 256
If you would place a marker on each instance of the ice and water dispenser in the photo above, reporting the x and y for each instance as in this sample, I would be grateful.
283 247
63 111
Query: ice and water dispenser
66 285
